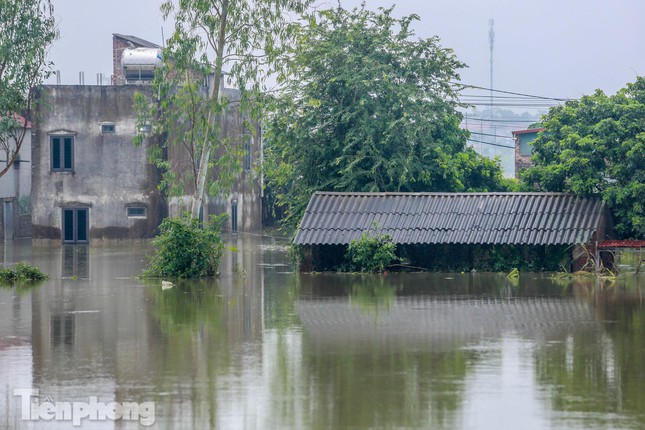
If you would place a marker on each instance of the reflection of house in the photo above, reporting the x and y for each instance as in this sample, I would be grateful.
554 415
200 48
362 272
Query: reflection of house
523 148
333 323
435 227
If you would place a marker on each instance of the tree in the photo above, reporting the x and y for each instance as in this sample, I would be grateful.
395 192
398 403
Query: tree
596 146
240 36
367 108
27 29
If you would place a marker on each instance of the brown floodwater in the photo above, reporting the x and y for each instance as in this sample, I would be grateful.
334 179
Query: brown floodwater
264 347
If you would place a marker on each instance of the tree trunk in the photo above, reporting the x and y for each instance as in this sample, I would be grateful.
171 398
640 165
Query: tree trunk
198 197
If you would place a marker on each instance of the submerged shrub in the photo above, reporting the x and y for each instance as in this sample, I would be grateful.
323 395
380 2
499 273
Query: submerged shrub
25 271
7 276
183 249
372 252
21 272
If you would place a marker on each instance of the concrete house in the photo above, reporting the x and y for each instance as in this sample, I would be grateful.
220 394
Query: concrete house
458 231
89 181
243 203
134 60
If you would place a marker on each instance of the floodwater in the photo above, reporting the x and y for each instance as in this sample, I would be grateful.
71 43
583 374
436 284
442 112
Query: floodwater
263 347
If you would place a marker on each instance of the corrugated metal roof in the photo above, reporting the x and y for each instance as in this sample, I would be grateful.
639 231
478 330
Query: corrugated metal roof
466 218
137 41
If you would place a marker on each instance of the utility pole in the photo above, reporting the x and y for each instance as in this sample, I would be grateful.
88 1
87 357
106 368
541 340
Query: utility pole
491 40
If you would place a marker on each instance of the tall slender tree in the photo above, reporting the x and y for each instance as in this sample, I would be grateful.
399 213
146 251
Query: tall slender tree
239 40
27 29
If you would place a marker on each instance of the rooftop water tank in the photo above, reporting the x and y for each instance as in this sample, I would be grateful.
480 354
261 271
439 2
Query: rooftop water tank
139 64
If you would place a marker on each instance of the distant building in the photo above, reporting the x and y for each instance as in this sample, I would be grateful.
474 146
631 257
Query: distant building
524 148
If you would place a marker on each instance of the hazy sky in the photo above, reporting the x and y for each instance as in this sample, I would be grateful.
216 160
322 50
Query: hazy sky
557 48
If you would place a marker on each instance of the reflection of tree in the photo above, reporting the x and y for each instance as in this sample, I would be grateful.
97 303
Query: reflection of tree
369 376
600 372
387 389
189 307
280 295
195 345
371 293
22 287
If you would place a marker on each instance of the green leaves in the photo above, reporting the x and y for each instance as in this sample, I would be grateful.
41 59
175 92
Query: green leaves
27 29
185 250
236 41
373 252
368 107
596 145
21 272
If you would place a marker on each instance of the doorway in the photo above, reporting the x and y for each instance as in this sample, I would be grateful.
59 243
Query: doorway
76 225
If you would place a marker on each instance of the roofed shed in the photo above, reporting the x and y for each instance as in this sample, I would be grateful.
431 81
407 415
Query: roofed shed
456 231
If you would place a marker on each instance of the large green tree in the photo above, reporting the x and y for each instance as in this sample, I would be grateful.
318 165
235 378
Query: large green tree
596 146
368 107
27 29
213 39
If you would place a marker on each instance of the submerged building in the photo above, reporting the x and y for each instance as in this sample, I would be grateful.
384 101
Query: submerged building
89 181
458 231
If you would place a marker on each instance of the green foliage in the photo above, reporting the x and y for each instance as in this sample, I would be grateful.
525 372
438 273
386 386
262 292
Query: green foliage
183 249
369 107
373 252
21 272
596 146
239 36
27 29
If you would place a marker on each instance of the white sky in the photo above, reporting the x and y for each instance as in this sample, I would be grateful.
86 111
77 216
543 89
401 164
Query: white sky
557 48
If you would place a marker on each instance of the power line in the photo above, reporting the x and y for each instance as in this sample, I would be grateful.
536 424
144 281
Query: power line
501 120
492 144
481 96
512 92
507 104
488 134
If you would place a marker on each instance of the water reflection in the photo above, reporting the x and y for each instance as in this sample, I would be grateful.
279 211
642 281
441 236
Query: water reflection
262 347
600 377
76 261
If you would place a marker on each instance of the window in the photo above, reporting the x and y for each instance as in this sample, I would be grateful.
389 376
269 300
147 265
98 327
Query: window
76 225
108 128
526 145
136 212
144 128
62 153
247 152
